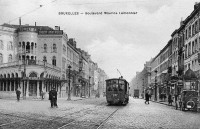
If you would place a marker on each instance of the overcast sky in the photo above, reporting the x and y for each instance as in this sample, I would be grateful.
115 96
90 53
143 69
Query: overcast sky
123 42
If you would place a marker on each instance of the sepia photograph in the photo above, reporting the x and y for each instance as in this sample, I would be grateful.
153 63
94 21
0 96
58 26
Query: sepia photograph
100 64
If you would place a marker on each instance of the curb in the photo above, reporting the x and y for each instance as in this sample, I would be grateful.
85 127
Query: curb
163 103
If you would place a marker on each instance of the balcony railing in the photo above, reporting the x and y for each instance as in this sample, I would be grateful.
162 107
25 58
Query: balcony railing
29 63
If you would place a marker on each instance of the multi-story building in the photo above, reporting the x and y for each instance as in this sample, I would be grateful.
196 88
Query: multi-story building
36 58
181 54
33 64
73 61
192 39
155 74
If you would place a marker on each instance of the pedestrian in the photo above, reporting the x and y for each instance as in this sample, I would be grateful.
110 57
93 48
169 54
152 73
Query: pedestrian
146 98
53 97
149 96
170 99
176 101
18 92
165 97
42 95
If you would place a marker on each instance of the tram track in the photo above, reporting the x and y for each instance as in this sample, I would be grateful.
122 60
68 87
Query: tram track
103 122
79 117
97 126
49 120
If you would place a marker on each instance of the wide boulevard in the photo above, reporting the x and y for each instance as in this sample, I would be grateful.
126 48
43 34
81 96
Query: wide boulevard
93 113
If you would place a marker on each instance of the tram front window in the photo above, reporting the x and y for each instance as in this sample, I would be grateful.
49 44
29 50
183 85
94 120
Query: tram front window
115 87
121 85
110 88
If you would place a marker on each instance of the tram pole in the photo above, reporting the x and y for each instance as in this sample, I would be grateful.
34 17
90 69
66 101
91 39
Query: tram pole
89 86
69 89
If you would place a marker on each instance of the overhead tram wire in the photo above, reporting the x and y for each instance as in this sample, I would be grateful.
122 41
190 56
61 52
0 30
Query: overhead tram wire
40 6
119 2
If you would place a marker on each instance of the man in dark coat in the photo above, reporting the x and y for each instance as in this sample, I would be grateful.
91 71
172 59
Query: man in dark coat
53 98
18 94
147 98
170 99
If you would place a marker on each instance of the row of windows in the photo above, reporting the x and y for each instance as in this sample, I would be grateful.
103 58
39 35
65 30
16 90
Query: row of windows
9 58
53 60
163 56
175 43
192 29
23 44
54 48
9 45
191 48
193 65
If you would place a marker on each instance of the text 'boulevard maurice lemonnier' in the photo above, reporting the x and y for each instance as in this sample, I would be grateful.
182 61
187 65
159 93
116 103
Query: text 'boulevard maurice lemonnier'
95 13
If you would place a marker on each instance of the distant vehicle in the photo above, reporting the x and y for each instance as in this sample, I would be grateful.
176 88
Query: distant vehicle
136 93
117 91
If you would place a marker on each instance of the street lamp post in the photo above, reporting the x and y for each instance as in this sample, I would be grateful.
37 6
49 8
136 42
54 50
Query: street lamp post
69 89
89 86
156 85
143 88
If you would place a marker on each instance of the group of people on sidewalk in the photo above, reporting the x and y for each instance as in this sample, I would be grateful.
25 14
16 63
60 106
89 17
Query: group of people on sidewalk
148 97
52 96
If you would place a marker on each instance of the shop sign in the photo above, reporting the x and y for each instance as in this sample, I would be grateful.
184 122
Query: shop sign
51 32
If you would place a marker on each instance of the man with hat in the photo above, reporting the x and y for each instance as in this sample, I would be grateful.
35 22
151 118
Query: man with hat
53 97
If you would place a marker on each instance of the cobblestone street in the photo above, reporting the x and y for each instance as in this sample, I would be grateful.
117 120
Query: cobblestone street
94 113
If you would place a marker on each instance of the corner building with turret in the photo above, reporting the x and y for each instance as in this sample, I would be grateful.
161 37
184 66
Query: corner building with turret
34 59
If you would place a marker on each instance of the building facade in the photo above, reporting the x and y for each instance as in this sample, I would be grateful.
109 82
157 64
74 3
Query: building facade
181 54
35 59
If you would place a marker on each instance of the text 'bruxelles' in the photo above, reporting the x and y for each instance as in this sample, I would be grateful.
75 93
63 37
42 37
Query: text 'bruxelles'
96 13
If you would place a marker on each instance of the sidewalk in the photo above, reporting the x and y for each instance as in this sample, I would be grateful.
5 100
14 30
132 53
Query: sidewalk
73 98
164 102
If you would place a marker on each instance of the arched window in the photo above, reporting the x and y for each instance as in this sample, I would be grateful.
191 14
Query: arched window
45 47
11 45
19 44
64 49
54 48
19 57
10 58
1 45
45 59
54 61
33 74
1 58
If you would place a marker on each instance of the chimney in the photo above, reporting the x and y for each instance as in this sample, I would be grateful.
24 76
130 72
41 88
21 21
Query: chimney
196 5
35 23
181 23
57 27
74 44
20 21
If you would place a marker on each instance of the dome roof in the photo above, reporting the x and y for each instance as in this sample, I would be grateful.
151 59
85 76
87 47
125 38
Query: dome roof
189 75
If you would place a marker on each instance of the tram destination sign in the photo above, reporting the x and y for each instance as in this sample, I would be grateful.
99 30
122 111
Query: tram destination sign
50 32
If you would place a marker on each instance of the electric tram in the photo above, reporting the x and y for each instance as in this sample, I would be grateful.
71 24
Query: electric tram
117 91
